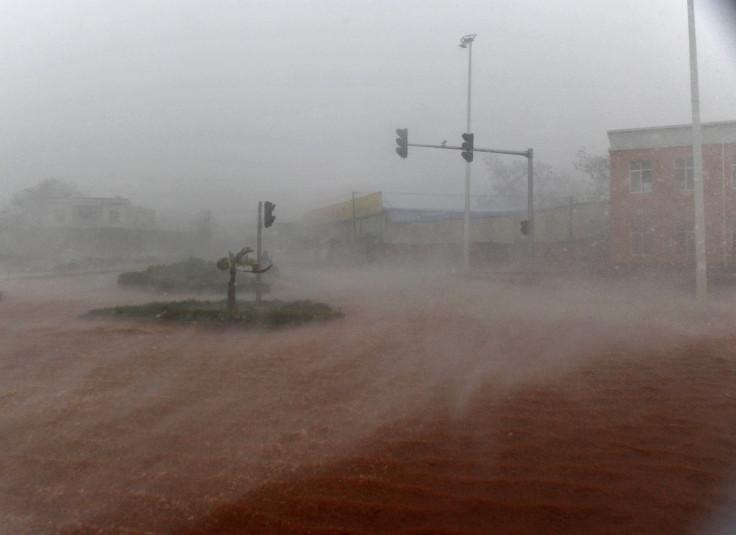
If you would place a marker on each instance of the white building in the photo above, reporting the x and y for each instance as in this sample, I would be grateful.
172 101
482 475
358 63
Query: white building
89 212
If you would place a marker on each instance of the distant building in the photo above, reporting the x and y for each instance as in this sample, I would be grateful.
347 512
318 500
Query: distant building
495 235
89 212
79 227
652 207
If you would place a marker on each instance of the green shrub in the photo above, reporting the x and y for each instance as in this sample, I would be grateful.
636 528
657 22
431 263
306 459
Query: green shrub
193 274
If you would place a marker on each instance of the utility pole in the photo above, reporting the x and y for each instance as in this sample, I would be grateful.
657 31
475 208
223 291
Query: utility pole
701 271
355 223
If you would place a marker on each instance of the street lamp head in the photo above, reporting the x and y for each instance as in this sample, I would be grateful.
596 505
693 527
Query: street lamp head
465 40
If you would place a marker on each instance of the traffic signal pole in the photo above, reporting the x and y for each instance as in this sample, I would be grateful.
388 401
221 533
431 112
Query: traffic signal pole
265 219
258 251
402 141
528 154
530 211
524 153
467 42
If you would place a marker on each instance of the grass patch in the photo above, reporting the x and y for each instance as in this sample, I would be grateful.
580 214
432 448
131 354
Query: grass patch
248 313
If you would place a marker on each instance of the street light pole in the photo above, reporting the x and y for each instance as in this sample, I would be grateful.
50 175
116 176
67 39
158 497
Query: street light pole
467 42
701 277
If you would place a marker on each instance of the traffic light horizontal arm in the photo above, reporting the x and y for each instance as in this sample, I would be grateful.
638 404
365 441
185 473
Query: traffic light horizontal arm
525 153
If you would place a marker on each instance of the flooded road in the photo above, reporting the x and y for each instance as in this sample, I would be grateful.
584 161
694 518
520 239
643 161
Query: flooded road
437 404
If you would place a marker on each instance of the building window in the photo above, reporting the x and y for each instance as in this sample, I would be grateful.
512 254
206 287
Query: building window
640 175
685 238
733 171
642 240
684 174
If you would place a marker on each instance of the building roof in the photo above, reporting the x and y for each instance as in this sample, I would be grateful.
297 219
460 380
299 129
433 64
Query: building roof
671 136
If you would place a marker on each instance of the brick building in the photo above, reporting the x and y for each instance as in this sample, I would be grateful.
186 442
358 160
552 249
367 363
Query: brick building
652 206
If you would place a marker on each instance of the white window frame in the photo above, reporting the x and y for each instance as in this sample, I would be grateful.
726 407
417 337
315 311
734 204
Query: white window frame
642 241
640 176
684 174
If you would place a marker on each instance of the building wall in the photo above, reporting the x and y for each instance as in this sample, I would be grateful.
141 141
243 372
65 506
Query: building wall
444 231
89 212
568 234
587 220
570 237
579 221
666 213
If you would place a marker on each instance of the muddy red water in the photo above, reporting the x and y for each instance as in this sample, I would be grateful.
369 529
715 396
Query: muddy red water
437 405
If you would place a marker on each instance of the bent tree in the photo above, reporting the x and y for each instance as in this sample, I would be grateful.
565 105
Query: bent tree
234 263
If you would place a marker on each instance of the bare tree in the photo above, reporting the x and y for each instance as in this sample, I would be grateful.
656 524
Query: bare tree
598 169
51 188
509 182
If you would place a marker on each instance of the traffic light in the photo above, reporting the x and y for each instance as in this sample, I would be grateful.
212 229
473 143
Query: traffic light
403 142
268 217
525 227
468 147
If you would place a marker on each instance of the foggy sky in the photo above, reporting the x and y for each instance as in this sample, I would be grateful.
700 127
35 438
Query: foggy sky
194 104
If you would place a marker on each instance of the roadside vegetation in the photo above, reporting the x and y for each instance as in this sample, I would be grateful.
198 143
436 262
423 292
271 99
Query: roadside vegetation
191 275
266 313
200 276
